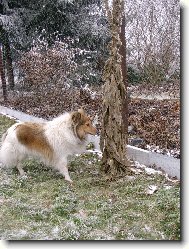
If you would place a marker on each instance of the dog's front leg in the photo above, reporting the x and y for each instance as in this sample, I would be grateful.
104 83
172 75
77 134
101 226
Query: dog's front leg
63 169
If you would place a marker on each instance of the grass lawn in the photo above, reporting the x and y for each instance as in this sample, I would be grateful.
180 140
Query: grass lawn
45 207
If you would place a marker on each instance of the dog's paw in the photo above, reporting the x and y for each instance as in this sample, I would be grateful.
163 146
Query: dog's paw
24 176
69 181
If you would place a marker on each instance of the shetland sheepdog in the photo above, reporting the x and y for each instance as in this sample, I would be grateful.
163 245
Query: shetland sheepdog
51 141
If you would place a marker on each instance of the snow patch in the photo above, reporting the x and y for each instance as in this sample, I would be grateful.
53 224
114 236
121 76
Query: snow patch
55 230
151 171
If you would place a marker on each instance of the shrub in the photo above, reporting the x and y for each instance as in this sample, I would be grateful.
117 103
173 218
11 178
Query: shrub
133 75
47 65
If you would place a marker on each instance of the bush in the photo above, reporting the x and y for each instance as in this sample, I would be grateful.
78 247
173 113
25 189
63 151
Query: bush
44 65
133 75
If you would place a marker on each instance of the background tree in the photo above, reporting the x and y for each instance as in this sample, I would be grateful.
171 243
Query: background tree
8 61
153 43
6 46
153 39
113 135
81 24
3 80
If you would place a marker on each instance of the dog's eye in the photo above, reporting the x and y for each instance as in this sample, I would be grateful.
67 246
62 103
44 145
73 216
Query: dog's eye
87 124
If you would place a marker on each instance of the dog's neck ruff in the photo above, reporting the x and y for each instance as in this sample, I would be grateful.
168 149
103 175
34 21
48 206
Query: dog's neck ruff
81 140
69 130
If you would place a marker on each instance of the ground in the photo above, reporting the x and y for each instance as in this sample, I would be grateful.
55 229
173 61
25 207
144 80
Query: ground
43 206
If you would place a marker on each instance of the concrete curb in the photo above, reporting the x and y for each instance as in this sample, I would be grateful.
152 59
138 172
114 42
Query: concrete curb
168 164
20 115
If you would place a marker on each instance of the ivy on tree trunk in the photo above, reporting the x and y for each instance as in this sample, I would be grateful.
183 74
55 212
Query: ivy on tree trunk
113 135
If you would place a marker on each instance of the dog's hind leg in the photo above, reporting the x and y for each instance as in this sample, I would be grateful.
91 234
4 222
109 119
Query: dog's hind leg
20 169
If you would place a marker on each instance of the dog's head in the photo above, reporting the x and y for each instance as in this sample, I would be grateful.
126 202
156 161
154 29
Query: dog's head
82 124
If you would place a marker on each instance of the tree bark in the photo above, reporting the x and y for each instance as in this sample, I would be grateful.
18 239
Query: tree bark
8 62
124 71
6 48
3 80
113 135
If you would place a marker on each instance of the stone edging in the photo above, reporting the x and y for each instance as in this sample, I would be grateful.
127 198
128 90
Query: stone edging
168 164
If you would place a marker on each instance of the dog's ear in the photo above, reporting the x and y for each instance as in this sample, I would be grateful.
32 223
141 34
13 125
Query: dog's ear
76 117
81 111
91 118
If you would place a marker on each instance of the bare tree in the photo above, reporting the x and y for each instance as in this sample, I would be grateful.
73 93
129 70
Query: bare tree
113 135
5 11
8 62
153 37
3 80
124 70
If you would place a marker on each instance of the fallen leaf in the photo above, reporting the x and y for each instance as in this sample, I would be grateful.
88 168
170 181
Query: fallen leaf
82 214
151 189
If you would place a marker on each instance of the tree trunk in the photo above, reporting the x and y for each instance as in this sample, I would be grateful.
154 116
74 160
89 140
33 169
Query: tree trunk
124 71
6 48
3 80
113 134
8 62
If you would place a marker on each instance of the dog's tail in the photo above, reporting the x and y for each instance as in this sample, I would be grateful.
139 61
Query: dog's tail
7 153
2 140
